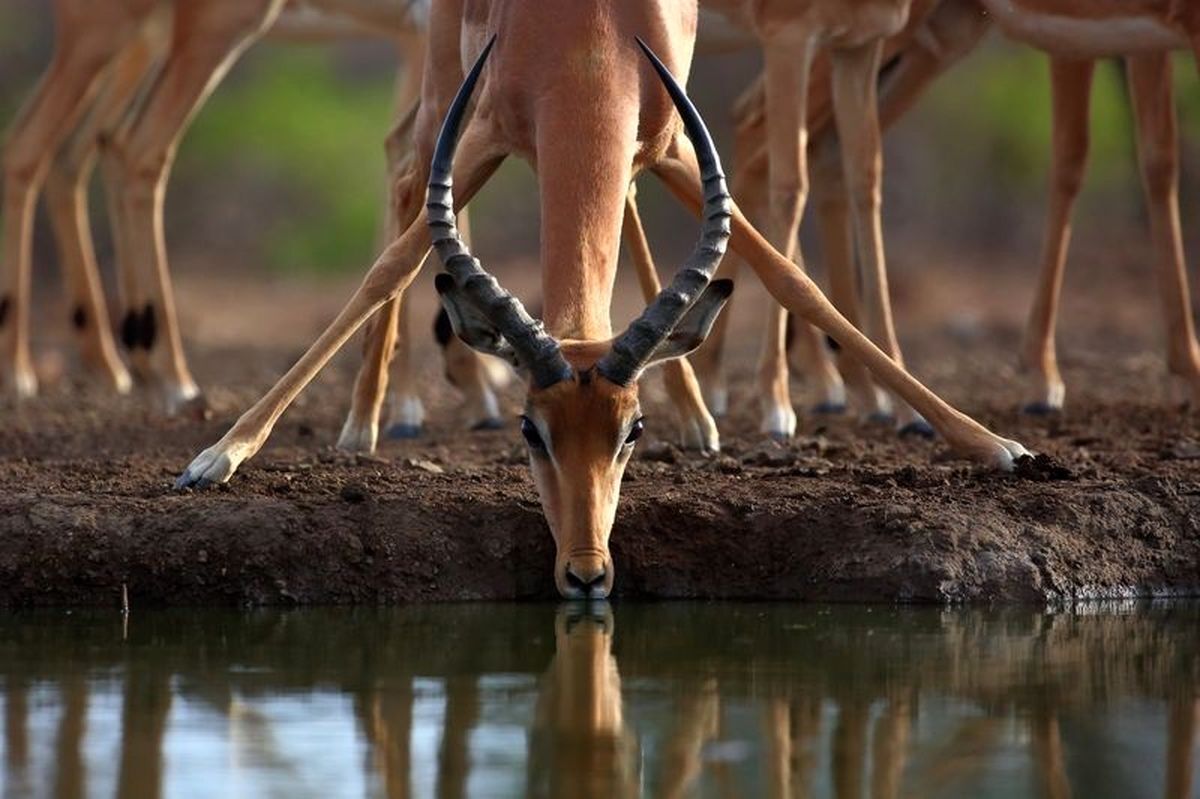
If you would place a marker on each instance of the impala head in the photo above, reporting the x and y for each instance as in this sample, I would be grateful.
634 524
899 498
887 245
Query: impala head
582 417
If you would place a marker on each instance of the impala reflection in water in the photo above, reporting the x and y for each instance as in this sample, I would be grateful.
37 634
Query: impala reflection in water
587 700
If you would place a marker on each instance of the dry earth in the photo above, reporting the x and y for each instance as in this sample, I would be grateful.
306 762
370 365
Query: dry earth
845 512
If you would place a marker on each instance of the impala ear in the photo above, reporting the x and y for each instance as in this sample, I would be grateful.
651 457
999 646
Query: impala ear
470 325
696 324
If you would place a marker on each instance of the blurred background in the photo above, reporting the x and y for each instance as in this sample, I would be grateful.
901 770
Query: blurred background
281 174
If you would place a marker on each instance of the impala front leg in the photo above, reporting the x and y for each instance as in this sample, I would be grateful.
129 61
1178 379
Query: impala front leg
796 292
390 275
697 430
1071 85
788 60
1158 155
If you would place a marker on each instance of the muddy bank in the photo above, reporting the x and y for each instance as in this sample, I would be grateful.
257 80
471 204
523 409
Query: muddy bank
846 512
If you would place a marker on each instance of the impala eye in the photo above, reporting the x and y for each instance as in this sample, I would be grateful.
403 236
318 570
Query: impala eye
635 432
532 437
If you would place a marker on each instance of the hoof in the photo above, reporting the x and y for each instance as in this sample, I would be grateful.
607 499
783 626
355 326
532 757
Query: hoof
213 465
782 438
1041 409
404 431
490 423
829 408
918 428
881 418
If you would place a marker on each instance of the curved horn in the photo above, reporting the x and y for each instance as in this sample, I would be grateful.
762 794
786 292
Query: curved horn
536 349
637 344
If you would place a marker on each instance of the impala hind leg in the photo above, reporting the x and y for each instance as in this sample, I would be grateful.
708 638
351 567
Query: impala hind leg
1071 87
146 151
391 274
66 202
1158 156
85 45
837 244
795 291
697 430
855 102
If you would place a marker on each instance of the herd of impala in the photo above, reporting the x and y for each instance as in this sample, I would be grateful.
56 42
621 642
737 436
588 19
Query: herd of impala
591 96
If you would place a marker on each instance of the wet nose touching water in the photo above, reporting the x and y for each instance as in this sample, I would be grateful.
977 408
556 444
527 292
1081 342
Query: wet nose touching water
588 699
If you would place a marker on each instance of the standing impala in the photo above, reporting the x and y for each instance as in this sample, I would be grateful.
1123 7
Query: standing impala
571 92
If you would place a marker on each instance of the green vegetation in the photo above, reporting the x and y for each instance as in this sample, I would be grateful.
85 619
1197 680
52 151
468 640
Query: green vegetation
317 139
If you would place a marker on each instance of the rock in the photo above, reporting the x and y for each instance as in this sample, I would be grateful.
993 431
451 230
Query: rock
354 493
424 466
661 452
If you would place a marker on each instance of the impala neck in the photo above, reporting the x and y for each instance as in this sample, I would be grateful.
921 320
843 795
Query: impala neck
584 155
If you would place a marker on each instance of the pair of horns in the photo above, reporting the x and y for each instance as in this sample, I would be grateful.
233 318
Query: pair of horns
534 347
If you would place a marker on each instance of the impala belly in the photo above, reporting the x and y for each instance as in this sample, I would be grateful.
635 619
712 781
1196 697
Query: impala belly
1051 26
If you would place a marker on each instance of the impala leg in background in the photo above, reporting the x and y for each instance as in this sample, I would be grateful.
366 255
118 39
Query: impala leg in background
1071 87
749 176
1158 156
193 68
697 430
855 102
390 275
788 60
67 204
832 211
793 289
86 43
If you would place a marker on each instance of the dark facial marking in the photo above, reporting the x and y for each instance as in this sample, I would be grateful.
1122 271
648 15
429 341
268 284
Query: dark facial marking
831 342
149 327
3 310
79 318
131 330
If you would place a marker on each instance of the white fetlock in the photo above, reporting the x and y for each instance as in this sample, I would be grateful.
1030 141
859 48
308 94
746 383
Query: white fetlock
699 434
1006 454
215 464
717 400
483 411
358 437
406 415
779 421
179 397
23 384
1047 398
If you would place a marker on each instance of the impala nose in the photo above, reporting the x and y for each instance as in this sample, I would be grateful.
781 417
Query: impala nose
587 579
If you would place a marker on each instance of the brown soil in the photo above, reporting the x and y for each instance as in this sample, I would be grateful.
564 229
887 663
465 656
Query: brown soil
846 512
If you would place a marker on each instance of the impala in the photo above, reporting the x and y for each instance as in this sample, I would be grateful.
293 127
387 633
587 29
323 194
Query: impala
570 92
124 82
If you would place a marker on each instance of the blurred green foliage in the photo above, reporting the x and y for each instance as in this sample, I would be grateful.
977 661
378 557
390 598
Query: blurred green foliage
291 120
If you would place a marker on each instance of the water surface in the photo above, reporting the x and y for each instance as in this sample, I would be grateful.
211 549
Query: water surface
711 700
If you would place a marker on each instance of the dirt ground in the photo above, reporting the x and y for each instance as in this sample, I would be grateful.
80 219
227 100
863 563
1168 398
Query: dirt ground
845 512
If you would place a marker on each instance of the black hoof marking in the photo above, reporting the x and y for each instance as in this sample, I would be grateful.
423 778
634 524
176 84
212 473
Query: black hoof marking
404 431
491 423
782 438
917 429
131 330
79 318
829 408
149 327
881 418
1041 409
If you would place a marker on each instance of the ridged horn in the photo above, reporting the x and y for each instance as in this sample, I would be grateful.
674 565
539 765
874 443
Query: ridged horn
633 348
535 348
